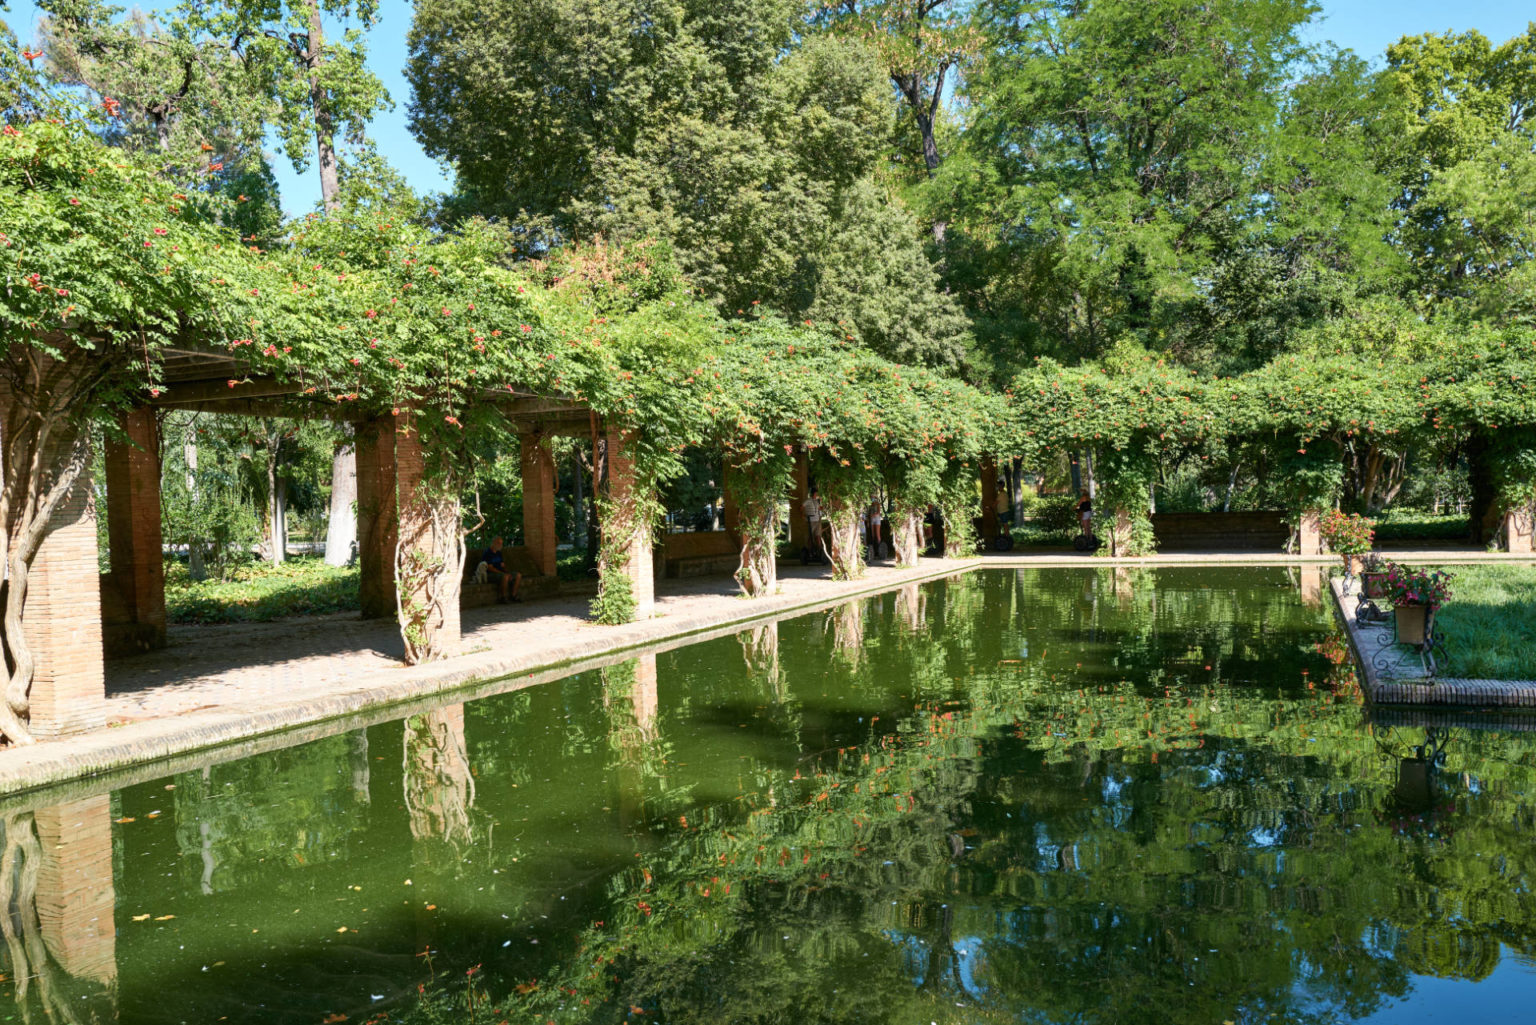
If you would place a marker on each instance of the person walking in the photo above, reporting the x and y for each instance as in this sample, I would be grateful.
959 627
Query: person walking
816 548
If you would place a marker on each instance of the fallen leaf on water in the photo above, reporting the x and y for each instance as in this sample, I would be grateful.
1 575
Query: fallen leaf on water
165 918
342 929
153 815
331 1018
431 907
125 819
141 918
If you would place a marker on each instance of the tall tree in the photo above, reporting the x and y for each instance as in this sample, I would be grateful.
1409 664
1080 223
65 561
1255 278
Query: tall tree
1116 149
1466 159
713 124
318 89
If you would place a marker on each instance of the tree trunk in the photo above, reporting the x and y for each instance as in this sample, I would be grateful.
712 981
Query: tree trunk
907 531
341 533
325 126
847 554
196 565
580 526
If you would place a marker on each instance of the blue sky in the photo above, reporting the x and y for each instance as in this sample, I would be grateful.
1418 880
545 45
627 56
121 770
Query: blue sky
1365 26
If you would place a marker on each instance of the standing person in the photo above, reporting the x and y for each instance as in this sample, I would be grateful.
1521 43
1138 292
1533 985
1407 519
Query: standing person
493 567
877 529
816 547
1085 514
1004 507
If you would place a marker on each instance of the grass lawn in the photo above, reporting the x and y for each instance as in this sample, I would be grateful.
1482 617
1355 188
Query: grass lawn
1490 623
260 592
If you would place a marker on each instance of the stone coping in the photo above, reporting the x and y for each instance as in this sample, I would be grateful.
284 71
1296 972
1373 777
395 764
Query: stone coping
1392 676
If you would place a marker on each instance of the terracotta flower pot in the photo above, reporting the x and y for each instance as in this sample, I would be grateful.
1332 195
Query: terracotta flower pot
1413 623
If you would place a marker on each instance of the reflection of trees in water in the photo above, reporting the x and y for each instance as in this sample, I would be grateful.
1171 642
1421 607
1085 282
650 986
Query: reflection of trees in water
61 965
1056 853
439 789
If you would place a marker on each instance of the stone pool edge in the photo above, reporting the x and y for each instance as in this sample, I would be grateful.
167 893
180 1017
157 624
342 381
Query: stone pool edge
147 745
1445 692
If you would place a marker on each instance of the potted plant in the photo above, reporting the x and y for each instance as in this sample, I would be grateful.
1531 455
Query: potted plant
1415 595
1373 577
1350 536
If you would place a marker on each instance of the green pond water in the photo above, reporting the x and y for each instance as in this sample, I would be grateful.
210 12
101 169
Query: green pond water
1047 796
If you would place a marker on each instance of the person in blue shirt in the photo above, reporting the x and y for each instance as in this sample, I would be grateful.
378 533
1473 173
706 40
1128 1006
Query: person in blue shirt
495 569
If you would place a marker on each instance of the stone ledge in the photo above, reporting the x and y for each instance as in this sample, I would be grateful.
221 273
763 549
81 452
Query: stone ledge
1417 690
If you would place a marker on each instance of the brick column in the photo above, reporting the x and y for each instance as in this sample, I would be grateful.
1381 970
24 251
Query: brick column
378 525
63 622
635 562
1517 531
75 892
539 538
988 500
417 515
799 532
730 512
133 526
1310 533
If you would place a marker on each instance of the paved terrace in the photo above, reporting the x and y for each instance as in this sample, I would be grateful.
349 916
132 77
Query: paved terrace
233 684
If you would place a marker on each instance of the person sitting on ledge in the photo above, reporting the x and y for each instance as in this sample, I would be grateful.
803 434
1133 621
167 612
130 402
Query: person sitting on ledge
493 567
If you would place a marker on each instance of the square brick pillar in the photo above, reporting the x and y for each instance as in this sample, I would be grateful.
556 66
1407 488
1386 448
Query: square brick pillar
730 512
416 515
76 896
988 500
378 524
799 531
539 538
637 558
133 527
63 622
1517 531
1310 534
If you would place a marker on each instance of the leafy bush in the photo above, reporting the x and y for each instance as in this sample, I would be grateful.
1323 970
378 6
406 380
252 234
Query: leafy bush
260 593
1411 585
1411 524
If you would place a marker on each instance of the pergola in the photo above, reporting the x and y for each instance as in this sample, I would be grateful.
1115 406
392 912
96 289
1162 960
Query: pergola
73 626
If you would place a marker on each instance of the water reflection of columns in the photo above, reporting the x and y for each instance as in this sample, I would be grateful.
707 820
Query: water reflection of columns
760 648
848 630
1125 591
58 897
439 789
630 696
912 608
1312 585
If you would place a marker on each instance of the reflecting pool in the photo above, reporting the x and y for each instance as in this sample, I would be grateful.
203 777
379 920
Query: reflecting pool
1044 796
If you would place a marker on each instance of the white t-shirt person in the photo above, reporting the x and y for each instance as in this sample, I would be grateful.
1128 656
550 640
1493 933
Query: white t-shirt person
812 508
